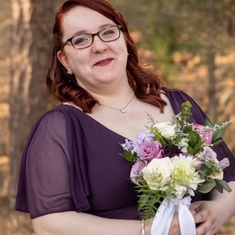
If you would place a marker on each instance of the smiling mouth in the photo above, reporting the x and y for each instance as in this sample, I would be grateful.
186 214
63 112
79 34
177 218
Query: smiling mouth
103 62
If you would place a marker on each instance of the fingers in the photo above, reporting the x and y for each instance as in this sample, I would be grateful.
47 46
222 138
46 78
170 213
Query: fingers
206 228
193 212
204 220
196 205
201 216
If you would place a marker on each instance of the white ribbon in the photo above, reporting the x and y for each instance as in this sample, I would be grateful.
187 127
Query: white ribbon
163 217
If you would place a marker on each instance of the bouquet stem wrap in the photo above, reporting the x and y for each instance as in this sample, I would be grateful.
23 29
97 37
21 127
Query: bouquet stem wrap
163 217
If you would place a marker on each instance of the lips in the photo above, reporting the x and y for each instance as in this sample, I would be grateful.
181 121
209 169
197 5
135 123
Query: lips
103 62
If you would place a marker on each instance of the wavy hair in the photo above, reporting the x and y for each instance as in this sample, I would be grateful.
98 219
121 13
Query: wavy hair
63 86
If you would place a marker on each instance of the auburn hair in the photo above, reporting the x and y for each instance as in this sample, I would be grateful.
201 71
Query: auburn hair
63 86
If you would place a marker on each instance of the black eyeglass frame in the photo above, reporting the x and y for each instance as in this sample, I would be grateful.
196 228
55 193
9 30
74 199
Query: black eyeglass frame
93 35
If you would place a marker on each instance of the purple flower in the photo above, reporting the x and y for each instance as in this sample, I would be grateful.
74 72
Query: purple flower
136 170
208 154
224 163
150 150
133 146
144 136
127 145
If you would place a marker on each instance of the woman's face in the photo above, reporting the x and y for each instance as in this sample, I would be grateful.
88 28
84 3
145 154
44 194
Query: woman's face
102 63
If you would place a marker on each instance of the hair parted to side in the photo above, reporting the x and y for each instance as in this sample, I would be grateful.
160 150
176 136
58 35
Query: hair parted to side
63 86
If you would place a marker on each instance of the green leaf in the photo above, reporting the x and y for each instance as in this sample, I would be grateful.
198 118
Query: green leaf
190 150
217 142
218 134
148 200
221 184
207 186
143 200
198 147
193 138
129 156
208 123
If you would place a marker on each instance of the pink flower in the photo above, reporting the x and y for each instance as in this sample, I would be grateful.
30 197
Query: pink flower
136 170
150 150
198 164
205 134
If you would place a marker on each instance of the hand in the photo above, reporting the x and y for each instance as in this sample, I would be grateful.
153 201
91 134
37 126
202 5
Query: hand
208 216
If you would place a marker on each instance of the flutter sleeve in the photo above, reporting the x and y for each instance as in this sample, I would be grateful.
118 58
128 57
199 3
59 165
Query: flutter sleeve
44 182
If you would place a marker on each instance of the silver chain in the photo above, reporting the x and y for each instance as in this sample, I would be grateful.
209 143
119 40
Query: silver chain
122 110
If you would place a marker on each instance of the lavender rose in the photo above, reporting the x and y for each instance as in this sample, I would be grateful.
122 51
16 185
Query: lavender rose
150 150
136 170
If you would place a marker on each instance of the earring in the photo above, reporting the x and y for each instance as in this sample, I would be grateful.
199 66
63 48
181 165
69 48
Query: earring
68 72
148 88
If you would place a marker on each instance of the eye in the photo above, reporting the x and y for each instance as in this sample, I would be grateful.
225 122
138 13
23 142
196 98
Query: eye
109 32
80 40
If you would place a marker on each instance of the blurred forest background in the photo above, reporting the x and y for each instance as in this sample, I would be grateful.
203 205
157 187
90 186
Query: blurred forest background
190 43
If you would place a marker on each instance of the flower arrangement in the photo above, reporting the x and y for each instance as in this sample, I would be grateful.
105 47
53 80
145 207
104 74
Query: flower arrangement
175 159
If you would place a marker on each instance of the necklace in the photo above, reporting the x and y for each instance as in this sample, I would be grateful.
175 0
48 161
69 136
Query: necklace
122 110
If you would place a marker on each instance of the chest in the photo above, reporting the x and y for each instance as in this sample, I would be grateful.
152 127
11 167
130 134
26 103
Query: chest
137 118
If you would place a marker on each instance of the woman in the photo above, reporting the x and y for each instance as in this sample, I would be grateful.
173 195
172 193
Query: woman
73 179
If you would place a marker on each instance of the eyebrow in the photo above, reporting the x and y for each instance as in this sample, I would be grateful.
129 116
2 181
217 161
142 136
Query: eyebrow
85 32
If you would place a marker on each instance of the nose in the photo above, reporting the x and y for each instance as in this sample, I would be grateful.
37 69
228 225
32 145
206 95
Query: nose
98 45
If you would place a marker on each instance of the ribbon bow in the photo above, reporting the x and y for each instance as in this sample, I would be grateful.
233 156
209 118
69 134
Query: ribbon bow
163 217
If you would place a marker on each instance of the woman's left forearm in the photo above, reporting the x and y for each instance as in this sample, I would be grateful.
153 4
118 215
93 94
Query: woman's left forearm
227 200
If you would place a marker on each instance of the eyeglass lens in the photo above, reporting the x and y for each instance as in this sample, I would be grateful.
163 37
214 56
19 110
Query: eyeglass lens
106 35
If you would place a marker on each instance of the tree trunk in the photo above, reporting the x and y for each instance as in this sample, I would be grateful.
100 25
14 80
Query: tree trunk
31 50
212 85
211 69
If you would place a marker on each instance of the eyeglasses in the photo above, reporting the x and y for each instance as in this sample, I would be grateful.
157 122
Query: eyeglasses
83 41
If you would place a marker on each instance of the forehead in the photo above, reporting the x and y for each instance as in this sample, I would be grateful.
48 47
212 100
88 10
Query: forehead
83 19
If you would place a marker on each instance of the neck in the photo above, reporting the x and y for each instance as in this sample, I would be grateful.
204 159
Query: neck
117 100
113 93
122 109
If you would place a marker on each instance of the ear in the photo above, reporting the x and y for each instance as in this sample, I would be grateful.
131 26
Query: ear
63 59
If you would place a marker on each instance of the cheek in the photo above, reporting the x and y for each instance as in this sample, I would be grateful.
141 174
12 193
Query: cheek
122 47
121 50
78 62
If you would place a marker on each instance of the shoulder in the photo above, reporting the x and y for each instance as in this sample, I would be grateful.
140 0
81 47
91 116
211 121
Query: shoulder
177 97
60 117
61 112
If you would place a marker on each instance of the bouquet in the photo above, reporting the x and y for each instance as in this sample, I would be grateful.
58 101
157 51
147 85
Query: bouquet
170 162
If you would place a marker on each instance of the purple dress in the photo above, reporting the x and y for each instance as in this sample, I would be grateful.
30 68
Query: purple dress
72 163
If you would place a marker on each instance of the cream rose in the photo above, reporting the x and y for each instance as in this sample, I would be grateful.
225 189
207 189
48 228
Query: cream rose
166 128
157 174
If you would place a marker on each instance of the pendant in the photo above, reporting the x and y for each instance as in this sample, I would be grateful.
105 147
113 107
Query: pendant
123 110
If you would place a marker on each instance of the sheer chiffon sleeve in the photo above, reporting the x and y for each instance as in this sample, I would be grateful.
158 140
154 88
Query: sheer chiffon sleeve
46 163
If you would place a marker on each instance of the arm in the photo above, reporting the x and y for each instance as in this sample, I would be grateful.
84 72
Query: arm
211 215
72 223
49 196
